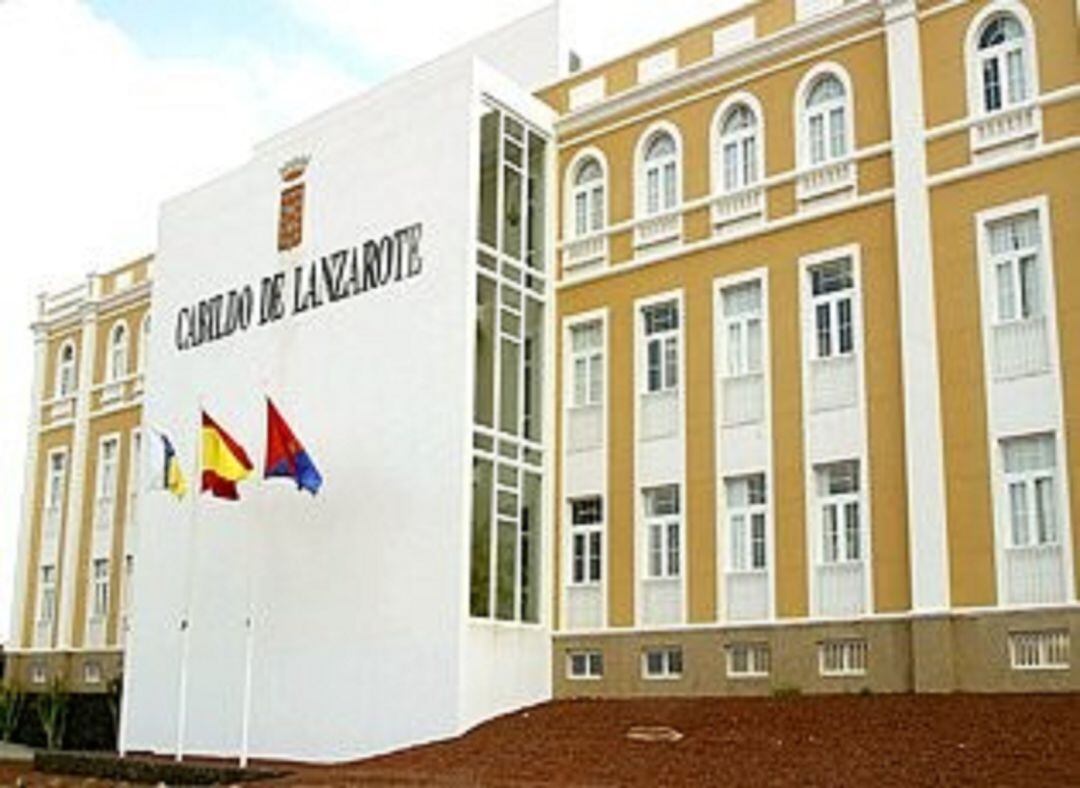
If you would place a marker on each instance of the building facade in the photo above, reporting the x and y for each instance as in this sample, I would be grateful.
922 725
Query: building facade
818 332
76 544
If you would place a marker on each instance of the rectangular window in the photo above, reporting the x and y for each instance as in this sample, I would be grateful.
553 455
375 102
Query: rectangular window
662 663
100 601
38 673
748 660
743 328
585 665
838 496
47 594
92 673
832 290
1046 650
661 346
663 530
1030 490
587 363
54 495
746 506
586 536
1015 252
843 658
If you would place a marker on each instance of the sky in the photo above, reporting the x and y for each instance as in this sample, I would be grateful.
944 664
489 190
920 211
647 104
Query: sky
108 107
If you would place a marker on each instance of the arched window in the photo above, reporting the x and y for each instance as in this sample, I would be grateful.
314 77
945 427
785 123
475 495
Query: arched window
826 117
117 362
66 374
739 145
144 341
1003 63
588 196
660 172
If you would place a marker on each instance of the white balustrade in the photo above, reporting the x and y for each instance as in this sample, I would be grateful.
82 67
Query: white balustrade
828 179
1021 347
585 252
841 589
1034 575
737 207
1001 128
658 230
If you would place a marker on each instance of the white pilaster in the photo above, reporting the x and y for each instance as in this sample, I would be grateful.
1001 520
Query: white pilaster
73 521
924 453
23 571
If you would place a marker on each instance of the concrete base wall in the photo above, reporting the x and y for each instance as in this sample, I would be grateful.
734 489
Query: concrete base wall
67 667
967 652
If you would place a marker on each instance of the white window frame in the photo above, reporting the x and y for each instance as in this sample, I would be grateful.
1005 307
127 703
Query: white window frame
92 673
1050 649
853 653
144 342
1029 481
66 383
744 563
758 660
974 57
118 360
672 557
804 115
1022 309
103 496
592 555
742 323
668 671
592 360
669 342
720 143
593 193
39 674
591 662
47 598
665 186
832 302
55 494
100 589
840 504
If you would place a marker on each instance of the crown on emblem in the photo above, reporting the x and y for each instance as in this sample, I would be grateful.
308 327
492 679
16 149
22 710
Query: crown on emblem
294 168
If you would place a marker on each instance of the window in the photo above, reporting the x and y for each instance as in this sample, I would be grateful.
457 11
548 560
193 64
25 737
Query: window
841 531
588 197
117 364
100 601
663 532
748 660
842 658
38 673
661 346
746 506
742 329
47 595
832 286
1030 490
585 665
66 373
662 663
1003 63
144 342
1015 264
54 488
738 146
587 363
826 120
106 481
586 536
661 173
92 673
1046 650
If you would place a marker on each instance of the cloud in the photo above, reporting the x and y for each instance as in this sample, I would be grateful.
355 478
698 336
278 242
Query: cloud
96 134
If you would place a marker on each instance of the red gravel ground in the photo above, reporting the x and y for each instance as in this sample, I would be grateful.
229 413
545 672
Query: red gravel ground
878 741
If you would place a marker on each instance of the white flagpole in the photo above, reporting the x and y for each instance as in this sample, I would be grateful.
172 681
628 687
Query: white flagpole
185 616
249 652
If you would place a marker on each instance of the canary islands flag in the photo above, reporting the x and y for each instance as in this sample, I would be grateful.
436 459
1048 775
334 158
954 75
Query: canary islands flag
285 456
172 478
224 461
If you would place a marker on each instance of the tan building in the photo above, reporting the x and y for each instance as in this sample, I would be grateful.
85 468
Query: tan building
819 340
76 542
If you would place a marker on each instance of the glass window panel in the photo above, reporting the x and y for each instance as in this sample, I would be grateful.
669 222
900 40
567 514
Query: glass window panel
851 526
1030 291
991 85
1018 513
757 522
534 370
753 346
480 554
1014 64
671 362
846 340
512 212
673 550
823 318
670 197
489 169
1045 515
579 558
738 541
508 386
837 133
1006 291
484 393
536 202
656 551
594 556
530 549
830 533
506 567
817 139
654 381
596 379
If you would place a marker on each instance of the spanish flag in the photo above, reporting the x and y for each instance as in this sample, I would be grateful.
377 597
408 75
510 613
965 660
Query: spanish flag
224 461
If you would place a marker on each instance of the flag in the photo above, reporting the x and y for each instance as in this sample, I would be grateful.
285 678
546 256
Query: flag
286 456
172 478
224 461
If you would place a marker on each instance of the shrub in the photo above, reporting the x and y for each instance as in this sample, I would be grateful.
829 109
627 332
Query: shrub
52 708
11 704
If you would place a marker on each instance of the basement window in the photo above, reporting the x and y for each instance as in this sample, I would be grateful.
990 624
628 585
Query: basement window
662 663
1046 650
843 658
748 660
585 665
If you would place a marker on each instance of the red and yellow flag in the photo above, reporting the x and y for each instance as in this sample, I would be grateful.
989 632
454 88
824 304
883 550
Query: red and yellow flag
224 461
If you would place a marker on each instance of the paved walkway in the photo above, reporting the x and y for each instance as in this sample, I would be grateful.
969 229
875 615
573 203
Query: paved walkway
15 752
